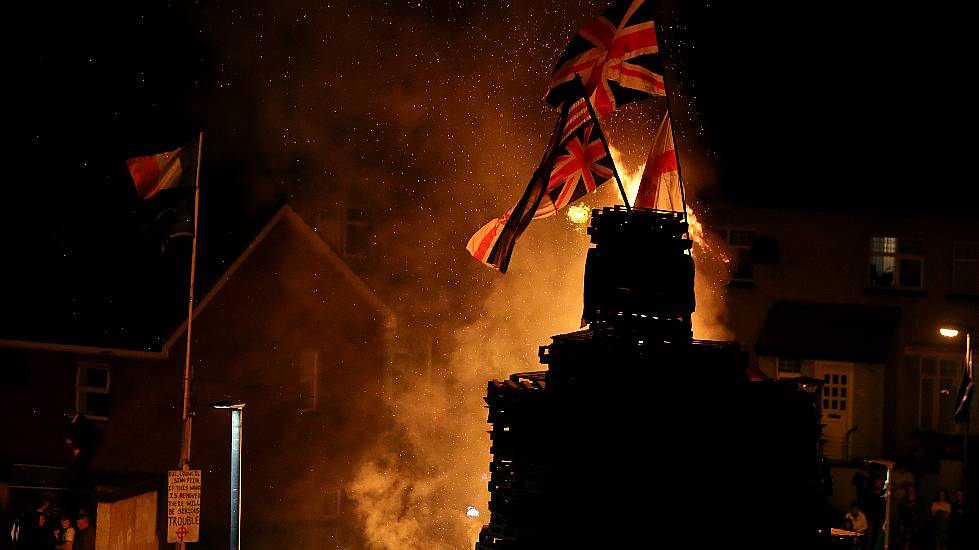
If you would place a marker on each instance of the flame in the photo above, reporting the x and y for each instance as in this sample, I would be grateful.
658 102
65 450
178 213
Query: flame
631 179
436 455
579 213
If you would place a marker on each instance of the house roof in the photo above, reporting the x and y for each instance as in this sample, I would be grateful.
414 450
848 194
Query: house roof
840 332
285 215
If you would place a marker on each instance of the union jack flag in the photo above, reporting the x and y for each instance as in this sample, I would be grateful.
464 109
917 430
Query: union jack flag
617 56
576 163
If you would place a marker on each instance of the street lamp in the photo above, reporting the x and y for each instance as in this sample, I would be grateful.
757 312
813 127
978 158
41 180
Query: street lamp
237 414
965 390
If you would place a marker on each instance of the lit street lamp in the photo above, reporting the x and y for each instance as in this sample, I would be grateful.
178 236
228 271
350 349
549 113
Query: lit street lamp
237 415
965 391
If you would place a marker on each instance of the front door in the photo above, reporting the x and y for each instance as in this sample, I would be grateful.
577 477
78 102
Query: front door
836 406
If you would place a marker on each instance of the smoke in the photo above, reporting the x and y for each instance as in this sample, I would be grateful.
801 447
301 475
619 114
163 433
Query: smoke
428 116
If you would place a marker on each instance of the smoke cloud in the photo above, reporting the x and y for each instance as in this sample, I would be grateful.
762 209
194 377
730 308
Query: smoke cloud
428 116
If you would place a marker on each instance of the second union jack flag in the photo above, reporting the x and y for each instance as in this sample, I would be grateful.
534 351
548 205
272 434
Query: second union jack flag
617 56
576 163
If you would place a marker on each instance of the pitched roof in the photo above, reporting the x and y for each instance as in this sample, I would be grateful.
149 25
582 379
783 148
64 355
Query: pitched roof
285 215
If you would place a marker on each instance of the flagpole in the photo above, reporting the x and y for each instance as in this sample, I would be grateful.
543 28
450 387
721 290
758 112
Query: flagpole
669 111
601 136
188 419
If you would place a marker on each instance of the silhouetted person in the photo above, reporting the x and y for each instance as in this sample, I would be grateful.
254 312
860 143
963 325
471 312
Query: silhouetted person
36 533
83 440
909 520
941 513
961 527
85 534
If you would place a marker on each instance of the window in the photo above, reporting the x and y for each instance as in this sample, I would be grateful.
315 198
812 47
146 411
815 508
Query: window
739 242
331 503
965 267
788 368
308 370
938 380
897 263
356 233
92 390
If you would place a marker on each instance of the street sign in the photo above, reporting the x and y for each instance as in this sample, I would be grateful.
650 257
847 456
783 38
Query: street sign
183 505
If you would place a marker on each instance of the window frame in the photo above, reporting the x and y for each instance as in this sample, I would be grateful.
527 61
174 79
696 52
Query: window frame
795 371
304 380
80 389
741 254
879 247
961 259
944 387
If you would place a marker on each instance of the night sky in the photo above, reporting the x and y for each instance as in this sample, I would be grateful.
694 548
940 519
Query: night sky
430 113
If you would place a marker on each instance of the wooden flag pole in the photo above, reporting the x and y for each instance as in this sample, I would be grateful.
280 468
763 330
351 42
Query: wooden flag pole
601 136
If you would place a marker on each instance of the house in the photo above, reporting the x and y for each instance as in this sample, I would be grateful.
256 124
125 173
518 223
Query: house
856 300
290 330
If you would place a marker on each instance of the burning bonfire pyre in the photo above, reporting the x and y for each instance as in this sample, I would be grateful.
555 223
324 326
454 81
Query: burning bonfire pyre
637 433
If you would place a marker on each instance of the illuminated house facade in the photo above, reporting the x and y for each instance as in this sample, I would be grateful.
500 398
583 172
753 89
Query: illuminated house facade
290 329
856 300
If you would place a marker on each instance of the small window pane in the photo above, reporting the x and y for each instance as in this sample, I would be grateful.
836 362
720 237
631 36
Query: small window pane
95 377
94 404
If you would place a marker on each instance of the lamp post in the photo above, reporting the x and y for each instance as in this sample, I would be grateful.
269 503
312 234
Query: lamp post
237 416
965 392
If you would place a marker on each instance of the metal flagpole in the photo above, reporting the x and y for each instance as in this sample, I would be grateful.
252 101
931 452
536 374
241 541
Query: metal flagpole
601 136
188 419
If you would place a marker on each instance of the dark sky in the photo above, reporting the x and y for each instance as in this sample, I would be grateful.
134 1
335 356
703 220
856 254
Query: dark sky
430 112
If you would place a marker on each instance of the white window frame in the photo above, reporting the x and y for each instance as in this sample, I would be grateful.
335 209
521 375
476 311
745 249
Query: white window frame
886 256
81 390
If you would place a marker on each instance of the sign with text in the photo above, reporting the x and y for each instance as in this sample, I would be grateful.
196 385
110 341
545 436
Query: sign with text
183 505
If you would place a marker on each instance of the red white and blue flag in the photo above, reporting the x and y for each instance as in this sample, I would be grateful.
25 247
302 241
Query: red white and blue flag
660 177
617 56
575 163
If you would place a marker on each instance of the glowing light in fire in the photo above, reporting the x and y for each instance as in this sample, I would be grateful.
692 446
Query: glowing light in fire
472 512
631 180
579 214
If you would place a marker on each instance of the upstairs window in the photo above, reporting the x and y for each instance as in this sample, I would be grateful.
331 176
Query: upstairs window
356 233
739 243
965 267
897 263
92 391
